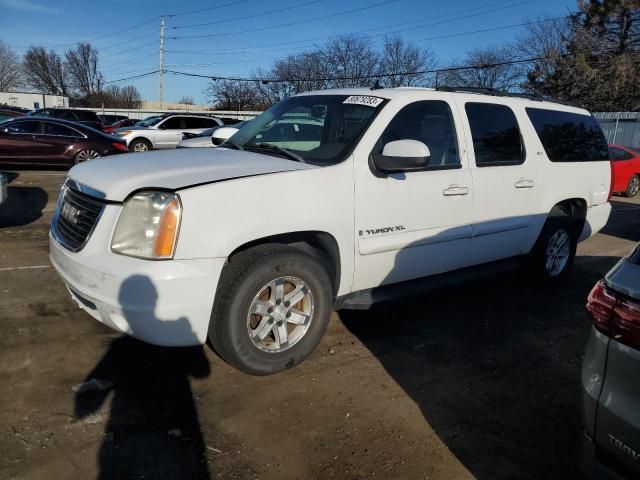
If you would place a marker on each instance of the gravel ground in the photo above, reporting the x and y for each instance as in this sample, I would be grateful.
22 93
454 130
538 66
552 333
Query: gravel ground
480 380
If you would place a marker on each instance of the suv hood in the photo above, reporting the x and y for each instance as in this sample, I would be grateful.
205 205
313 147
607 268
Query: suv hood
132 127
119 175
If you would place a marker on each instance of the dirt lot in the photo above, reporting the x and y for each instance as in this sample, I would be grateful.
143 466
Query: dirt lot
475 381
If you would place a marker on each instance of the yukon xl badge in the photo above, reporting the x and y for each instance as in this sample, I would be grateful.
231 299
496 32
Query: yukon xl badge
70 213
377 231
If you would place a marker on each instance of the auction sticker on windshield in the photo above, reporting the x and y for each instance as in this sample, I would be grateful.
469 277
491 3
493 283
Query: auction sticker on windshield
364 100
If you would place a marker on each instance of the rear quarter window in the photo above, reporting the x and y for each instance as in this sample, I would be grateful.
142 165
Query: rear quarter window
568 136
86 116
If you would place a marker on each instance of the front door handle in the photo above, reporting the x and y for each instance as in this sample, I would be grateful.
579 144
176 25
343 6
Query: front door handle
455 190
524 183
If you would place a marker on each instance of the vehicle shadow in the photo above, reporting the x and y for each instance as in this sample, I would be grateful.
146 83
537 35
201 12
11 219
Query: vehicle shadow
23 205
628 227
153 430
494 366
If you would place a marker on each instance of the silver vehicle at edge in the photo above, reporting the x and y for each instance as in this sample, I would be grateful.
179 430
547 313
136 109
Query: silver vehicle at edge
164 131
610 386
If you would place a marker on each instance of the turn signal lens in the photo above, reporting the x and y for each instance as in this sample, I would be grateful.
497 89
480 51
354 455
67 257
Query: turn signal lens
167 230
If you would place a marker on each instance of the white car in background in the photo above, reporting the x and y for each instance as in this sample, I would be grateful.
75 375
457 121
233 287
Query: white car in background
211 137
164 131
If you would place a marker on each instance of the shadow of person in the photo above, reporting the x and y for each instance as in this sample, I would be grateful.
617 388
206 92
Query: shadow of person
153 429
493 365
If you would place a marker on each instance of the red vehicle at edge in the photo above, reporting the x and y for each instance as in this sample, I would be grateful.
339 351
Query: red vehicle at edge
625 165
122 123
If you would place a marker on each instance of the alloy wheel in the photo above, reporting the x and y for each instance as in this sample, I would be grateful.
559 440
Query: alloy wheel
280 314
557 253
85 155
634 186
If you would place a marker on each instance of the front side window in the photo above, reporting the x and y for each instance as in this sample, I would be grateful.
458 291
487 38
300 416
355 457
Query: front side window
29 127
150 121
569 137
496 135
318 129
429 122
173 123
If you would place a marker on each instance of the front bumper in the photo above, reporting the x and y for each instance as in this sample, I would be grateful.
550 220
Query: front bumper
165 303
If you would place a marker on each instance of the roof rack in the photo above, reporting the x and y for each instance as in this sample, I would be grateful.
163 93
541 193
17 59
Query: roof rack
500 93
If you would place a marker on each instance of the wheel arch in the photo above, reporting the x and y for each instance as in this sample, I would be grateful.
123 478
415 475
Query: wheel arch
576 208
140 138
320 245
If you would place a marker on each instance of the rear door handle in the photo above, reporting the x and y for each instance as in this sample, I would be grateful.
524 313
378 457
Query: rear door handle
455 190
524 183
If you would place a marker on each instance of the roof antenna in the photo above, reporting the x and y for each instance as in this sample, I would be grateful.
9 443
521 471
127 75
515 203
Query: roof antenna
377 86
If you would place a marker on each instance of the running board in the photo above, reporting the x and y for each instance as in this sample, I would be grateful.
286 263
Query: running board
364 299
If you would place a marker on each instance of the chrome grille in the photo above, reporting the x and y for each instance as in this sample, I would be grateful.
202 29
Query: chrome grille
75 218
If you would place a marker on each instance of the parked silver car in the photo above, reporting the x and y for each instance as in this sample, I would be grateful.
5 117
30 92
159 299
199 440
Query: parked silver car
164 131
212 137
610 386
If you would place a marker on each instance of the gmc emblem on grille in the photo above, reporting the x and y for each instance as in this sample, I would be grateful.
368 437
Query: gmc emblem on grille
70 213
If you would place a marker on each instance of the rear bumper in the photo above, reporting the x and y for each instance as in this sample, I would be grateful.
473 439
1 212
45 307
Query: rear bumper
165 303
590 467
597 218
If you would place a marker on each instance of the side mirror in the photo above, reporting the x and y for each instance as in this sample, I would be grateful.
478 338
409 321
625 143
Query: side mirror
402 156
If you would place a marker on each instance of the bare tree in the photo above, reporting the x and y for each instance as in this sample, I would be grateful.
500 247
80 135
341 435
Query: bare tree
82 67
351 60
131 97
114 96
186 100
45 71
301 73
233 95
485 68
399 57
9 68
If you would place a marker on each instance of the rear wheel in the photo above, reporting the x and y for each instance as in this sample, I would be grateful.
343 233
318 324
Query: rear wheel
140 145
84 155
552 257
272 307
633 187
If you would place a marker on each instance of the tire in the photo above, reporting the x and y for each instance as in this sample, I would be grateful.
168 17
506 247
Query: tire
140 145
248 341
85 155
633 187
550 245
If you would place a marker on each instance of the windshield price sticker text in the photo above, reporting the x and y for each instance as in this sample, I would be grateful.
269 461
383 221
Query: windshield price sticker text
364 100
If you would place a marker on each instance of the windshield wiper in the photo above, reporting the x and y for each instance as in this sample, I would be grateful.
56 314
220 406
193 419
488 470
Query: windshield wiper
275 148
230 144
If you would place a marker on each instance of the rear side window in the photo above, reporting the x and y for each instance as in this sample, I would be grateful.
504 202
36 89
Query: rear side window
65 115
617 154
59 130
195 122
86 116
496 135
569 137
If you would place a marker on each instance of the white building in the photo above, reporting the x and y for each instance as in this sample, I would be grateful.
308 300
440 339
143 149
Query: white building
33 101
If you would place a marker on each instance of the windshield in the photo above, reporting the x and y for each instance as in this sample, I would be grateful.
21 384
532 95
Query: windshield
319 129
149 121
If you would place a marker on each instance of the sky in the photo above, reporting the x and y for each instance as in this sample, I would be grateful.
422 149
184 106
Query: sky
235 37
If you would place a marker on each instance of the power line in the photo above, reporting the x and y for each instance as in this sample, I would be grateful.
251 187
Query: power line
239 49
217 22
200 10
108 35
128 50
300 22
133 77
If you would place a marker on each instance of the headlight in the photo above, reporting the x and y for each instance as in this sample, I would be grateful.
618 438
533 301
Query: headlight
123 134
148 226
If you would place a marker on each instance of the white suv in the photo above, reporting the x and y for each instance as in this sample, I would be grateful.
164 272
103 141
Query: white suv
331 199
164 131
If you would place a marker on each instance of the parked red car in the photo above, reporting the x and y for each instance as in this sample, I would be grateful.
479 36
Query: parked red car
48 141
127 122
625 163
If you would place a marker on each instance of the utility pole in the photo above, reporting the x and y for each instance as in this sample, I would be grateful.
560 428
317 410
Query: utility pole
161 71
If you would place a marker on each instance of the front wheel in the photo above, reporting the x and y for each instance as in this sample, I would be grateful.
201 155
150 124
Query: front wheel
140 145
272 307
554 252
633 187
